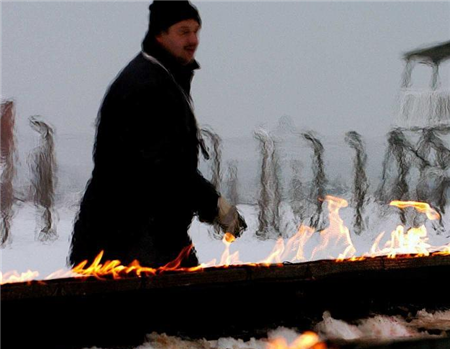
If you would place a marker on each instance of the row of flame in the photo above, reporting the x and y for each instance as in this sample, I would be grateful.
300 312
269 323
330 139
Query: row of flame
336 237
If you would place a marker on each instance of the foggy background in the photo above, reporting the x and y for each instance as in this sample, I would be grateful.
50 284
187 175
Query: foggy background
325 67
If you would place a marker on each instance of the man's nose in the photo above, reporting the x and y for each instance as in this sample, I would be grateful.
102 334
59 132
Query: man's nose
193 39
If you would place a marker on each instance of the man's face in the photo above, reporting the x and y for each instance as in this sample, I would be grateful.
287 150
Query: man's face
181 40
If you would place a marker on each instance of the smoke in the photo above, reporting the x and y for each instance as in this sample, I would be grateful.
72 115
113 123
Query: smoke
360 181
8 169
43 168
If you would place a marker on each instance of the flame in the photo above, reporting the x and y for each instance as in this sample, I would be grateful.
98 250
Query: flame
14 276
419 206
307 340
334 243
337 234
226 258
275 256
297 244
113 268
414 241
228 238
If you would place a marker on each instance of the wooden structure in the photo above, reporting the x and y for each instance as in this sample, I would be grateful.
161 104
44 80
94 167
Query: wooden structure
239 301
432 56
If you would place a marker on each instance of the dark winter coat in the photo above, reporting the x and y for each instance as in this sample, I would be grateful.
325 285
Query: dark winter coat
145 186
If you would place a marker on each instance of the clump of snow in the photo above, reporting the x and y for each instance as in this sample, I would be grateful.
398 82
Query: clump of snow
388 327
337 329
381 327
438 320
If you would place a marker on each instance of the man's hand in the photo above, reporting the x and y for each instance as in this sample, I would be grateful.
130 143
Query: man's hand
229 219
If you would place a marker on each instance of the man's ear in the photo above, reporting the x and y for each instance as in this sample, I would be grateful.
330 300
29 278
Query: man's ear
158 38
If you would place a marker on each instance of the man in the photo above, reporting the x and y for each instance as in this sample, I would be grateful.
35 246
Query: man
145 187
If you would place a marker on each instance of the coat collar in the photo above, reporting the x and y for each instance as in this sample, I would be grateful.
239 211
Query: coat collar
182 73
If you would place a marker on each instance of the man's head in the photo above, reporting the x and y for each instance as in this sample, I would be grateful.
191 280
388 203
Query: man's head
175 26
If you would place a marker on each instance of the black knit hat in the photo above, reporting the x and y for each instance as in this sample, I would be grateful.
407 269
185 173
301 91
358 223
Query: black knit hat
165 13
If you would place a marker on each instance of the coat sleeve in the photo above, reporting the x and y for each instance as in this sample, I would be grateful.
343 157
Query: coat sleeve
207 208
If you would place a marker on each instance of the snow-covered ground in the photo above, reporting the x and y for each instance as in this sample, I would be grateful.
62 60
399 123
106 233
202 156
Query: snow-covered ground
24 252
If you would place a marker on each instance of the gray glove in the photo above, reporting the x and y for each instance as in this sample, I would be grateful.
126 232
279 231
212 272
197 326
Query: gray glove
229 219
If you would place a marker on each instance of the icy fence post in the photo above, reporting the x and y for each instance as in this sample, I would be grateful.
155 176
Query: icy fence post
8 170
434 168
232 182
317 193
360 181
296 191
216 178
216 142
42 162
398 148
432 159
270 197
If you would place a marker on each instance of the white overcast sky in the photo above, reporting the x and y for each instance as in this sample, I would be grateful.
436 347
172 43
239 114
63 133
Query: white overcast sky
331 66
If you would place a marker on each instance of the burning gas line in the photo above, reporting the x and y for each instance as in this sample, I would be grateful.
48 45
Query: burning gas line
334 243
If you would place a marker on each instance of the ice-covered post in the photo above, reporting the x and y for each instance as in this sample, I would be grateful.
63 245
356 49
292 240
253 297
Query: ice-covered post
8 171
443 162
405 155
436 170
395 148
216 178
360 181
317 194
233 193
296 191
43 180
216 143
269 195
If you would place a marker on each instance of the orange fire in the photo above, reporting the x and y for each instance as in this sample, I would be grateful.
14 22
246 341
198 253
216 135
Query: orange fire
14 276
307 340
228 259
333 242
419 206
337 236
